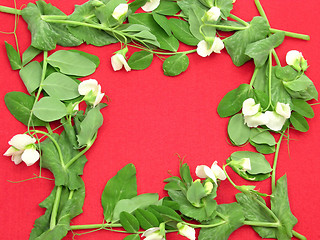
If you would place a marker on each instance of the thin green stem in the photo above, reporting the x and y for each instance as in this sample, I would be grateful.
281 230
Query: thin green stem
162 53
291 34
275 161
254 76
261 11
298 235
53 219
261 224
54 17
75 158
49 128
10 10
275 55
225 172
205 226
267 210
224 27
93 226
239 20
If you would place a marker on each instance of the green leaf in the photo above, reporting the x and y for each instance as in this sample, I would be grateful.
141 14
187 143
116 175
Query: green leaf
49 109
236 44
263 148
104 13
122 186
228 23
302 108
93 58
60 86
187 5
89 127
195 192
238 131
13 56
184 171
70 132
195 15
20 104
166 42
140 60
135 5
302 88
168 8
181 30
130 205
232 102
175 64
225 7
286 73
72 63
281 207
163 22
129 222
260 50
253 211
68 209
146 218
167 212
133 236
63 176
233 219
299 122
31 76
261 136
261 97
29 54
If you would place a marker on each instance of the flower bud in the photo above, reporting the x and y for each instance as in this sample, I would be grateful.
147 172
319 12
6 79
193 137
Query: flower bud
150 5
295 59
213 14
186 231
120 11
208 186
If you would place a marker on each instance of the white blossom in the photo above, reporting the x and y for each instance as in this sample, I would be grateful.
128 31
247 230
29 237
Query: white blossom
153 234
283 109
249 107
293 56
275 120
256 120
213 14
91 90
186 231
23 149
215 172
203 48
120 11
150 5
118 61
245 164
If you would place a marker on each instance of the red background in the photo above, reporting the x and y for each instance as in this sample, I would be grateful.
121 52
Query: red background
152 117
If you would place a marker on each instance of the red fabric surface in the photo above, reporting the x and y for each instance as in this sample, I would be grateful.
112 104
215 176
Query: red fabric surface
152 117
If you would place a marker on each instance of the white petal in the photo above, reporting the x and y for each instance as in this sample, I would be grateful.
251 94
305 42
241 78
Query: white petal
246 165
11 151
218 172
20 141
120 11
149 231
30 156
88 85
275 121
213 14
124 62
16 158
200 171
210 174
256 120
249 107
202 49
150 5
115 62
283 109
292 56
98 99
76 107
187 232
217 45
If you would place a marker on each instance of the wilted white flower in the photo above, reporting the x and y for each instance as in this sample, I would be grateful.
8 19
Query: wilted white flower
256 120
186 231
296 60
275 120
283 109
91 90
213 14
118 61
153 234
120 11
203 171
249 107
203 48
150 5
22 149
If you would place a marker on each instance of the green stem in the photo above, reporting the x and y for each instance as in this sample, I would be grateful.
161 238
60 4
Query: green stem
205 226
276 57
261 11
10 10
49 128
224 27
239 20
93 226
162 53
254 76
298 235
275 161
261 224
55 208
54 17
225 172
267 210
75 158
291 34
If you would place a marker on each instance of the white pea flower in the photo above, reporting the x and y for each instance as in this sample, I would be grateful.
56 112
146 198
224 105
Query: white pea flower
120 11
150 5
186 231
275 120
283 109
249 107
118 61
296 60
91 90
153 234
245 164
256 120
213 14
203 48
23 149
215 172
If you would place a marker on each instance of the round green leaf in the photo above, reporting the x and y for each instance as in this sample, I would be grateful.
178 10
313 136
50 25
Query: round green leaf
140 60
49 109
60 86
238 132
302 108
261 136
299 122
176 64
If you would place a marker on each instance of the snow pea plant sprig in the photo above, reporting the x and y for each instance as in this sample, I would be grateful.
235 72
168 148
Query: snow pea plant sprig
55 94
